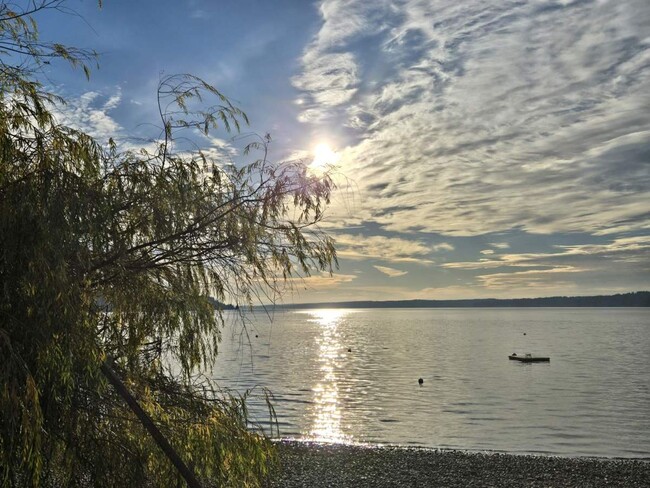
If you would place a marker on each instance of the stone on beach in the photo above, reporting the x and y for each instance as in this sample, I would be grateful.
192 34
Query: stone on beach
320 465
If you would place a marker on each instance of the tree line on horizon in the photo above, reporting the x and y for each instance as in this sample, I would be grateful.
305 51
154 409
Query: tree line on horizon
633 299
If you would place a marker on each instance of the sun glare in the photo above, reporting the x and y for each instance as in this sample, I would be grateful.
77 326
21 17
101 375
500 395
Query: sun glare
324 157
327 407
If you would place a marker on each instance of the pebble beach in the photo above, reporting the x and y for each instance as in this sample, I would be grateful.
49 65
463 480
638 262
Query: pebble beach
305 464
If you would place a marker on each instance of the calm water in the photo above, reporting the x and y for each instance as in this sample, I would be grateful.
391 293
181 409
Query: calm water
592 399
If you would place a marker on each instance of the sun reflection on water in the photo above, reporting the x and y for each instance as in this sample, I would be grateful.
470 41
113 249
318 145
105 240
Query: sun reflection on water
327 422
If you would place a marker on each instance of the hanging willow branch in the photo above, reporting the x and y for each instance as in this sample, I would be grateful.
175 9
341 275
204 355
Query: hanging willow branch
108 252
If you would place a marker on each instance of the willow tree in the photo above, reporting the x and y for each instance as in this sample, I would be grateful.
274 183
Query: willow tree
107 258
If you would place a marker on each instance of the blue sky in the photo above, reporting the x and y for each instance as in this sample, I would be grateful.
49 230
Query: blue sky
489 148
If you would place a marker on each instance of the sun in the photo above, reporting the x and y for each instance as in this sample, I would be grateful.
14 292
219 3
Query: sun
324 157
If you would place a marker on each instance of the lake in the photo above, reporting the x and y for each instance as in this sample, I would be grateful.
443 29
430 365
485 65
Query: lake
352 376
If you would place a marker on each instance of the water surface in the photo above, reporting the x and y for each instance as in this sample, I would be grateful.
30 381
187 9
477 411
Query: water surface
352 376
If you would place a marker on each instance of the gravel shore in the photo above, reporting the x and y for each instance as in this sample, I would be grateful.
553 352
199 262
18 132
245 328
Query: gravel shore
335 465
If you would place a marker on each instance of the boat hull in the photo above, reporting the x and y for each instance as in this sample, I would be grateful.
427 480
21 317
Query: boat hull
529 359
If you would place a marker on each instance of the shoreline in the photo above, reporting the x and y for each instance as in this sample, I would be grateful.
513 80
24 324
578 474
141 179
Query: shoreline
421 447
343 465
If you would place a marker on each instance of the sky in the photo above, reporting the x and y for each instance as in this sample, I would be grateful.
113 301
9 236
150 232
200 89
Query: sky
483 148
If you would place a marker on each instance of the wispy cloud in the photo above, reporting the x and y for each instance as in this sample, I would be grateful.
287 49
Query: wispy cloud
90 113
537 280
475 117
623 264
312 288
631 250
332 78
392 272
323 281
393 249
219 150
330 75
500 245
443 246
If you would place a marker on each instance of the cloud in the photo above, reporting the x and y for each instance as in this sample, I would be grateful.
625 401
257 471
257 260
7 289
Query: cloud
344 21
90 113
113 101
500 245
392 272
569 268
331 78
536 279
487 251
453 292
630 250
392 249
323 281
219 150
443 246
480 117
310 288
330 74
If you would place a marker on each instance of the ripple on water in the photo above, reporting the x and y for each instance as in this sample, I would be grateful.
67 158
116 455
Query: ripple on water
591 399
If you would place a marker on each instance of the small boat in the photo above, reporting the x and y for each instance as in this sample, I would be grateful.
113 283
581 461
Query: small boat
529 358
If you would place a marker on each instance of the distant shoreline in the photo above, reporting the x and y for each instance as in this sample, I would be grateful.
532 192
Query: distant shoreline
635 299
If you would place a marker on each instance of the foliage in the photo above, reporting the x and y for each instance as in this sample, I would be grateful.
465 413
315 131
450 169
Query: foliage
107 253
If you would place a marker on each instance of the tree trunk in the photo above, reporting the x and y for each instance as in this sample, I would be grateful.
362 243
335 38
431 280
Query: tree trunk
148 424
